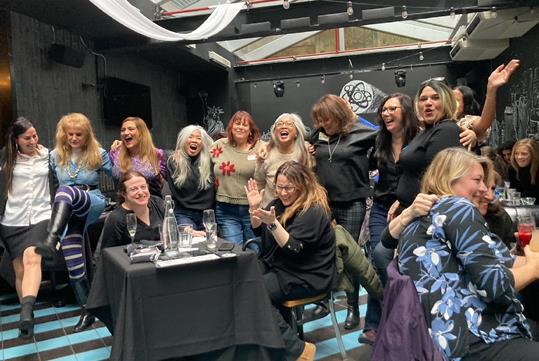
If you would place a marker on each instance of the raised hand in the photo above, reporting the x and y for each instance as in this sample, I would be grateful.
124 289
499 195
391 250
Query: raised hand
254 197
265 216
501 74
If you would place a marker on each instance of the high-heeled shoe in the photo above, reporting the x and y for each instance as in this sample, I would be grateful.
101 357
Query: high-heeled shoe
26 322
61 212
86 320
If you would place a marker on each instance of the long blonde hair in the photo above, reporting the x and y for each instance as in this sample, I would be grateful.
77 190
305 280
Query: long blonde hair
180 158
146 149
533 148
448 166
310 191
91 155
299 142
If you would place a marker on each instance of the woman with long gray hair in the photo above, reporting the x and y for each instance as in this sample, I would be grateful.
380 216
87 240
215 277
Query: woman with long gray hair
287 143
190 176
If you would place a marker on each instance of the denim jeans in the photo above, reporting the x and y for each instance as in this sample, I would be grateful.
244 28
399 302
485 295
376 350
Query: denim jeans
187 216
234 222
380 257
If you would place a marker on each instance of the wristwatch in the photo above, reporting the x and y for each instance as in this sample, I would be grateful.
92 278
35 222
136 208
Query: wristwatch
271 227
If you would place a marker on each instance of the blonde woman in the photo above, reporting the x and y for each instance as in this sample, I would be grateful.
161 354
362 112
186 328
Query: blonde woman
287 143
465 277
75 162
524 171
190 176
137 152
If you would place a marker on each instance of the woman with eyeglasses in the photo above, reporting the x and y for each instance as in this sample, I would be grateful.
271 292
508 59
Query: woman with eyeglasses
398 126
287 144
468 107
234 162
134 196
76 162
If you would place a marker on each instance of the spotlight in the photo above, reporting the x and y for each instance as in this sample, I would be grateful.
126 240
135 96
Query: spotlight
493 12
452 12
404 12
323 79
278 88
286 4
383 67
349 9
298 84
400 78
421 56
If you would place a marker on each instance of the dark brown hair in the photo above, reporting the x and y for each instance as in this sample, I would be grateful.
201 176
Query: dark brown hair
335 108
122 190
19 126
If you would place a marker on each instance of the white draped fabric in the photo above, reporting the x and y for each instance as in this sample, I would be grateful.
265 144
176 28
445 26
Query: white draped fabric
128 15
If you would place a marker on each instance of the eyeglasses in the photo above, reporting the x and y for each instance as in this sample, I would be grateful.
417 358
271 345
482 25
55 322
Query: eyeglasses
287 189
390 110
284 123
136 189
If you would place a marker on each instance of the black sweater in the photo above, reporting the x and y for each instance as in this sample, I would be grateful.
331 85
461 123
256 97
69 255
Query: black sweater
115 229
522 182
309 262
189 196
417 156
346 176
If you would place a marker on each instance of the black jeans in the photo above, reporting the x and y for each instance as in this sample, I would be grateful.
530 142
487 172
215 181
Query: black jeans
518 349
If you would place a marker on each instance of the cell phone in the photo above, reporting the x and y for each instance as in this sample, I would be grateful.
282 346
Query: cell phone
226 246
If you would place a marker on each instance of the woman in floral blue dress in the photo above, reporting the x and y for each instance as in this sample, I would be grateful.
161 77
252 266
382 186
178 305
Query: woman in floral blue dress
465 277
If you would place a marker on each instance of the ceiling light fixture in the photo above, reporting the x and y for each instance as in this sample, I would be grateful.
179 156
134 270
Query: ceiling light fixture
286 4
404 12
349 9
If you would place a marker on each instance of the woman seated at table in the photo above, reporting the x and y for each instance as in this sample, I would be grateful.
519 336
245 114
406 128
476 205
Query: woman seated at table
298 242
136 151
190 176
524 171
465 277
134 197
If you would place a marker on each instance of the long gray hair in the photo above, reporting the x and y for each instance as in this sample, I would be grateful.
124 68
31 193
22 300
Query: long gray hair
299 143
180 158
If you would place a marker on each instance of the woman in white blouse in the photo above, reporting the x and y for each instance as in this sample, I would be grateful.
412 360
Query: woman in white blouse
25 208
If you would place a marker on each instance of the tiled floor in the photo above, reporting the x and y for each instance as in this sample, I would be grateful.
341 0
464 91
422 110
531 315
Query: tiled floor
55 340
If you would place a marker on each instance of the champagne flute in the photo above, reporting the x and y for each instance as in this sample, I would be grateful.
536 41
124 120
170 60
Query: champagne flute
131 220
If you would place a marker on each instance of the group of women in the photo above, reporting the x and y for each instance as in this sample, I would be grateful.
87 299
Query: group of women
293 186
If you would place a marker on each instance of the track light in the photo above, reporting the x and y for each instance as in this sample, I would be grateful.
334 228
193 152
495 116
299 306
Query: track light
254 85
400 78
298 84
278 88
286 4
323 79
351 75
452 12
404 12
349 9
493 12
383 68
421 56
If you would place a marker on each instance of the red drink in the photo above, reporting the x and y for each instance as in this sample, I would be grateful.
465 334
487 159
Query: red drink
525 234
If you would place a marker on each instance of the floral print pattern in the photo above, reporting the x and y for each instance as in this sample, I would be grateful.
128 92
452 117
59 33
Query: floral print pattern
461 273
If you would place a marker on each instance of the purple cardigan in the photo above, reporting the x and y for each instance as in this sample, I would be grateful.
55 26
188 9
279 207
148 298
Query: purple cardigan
403 334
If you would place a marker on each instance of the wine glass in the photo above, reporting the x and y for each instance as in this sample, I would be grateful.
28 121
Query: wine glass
131 220
525 226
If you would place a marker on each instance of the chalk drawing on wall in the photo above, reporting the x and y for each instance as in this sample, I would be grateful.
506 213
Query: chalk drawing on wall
364 97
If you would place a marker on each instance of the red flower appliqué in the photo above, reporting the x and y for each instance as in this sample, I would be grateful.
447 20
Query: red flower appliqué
216 152
227 168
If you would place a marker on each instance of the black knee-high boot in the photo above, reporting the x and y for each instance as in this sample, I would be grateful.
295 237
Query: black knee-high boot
352 310
26 322
61 212
81 287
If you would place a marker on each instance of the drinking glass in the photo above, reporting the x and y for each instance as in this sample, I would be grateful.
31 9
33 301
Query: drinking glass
530 201
131 220
208 216
185 232
525 226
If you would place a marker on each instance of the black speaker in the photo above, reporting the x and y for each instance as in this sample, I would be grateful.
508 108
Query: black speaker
67 56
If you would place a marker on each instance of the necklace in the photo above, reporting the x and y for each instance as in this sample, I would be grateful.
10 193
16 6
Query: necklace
75 174
331 152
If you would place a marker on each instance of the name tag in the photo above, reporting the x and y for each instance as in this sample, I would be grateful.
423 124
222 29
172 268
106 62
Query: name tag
323 137
251 157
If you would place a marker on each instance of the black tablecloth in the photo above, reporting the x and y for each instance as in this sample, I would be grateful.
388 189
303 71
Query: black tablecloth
220 306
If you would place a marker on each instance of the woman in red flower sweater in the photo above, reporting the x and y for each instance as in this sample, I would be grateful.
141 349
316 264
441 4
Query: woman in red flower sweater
234 161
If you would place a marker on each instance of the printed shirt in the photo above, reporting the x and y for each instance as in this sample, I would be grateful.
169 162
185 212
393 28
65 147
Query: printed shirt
462 276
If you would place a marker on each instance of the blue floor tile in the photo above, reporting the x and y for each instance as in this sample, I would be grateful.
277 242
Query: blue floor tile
94 355
65 358
18 351
57 342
